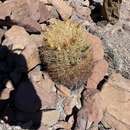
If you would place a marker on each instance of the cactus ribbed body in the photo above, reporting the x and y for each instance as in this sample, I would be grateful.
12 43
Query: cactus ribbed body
67 54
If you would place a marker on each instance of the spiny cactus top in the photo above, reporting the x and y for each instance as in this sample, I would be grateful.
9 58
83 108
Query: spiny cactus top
66 53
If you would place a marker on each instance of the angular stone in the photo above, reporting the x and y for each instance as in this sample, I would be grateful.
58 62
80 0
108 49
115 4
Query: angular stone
5 9
44 88
38 39
50 117
9 85
5 94
48 99
17 37
43 127
63 8
83 12
100 65
63 91
116 95
30 25
69 104
26 13
33 6
19 11
31 55
63 125
98 72
44 13
1 34
92 110
97 47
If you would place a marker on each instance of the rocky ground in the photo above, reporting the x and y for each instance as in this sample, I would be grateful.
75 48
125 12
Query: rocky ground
30 100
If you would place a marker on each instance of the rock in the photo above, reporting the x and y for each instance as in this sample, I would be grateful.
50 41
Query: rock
97 46
92 110
126 26
1 34
114 123
115 95
50 117
63 8
86 3
44 27
5 94
100 65
97 74
5 9
44 13
53 12
30 25
83 12
22 43
38 39
69 104
63 91
17 37
44 1
26 13
33 7
44 88
48 99
35 76
31 55
9 85
43 127
63 125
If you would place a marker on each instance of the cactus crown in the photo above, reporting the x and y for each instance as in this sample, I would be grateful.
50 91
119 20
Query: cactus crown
66 53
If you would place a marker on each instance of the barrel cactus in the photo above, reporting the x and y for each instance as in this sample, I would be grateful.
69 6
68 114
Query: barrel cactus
66 54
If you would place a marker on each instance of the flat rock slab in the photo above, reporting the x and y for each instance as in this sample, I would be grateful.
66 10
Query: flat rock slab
116 98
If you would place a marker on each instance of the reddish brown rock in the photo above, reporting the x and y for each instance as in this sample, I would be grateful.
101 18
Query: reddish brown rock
97 47
26 13
63 125
83 12
48 99
5 94
17 37
63 8
31 55
116 95
98 73
33 6
44 13
50 117
69 103
30 25
5 9
43 127
44 88
100 65
63 91
1 34
92 110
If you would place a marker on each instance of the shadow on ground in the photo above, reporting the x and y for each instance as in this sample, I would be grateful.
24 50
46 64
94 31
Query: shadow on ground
20 104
